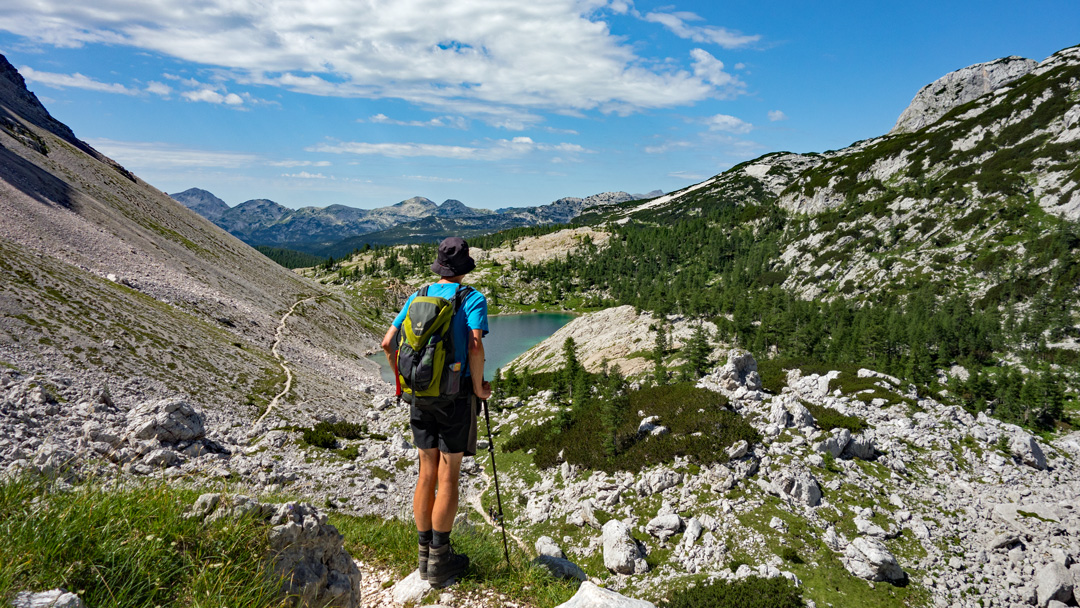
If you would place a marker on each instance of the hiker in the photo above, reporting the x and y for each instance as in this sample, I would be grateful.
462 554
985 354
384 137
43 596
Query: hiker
443 417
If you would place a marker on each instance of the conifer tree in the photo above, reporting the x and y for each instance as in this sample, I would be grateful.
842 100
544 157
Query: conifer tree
659 348
614 407
697 353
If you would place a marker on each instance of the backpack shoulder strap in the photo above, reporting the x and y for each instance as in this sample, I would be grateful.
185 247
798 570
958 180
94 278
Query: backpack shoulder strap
423 292
460 296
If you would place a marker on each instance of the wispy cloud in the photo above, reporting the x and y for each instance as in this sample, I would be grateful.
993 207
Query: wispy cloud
775 115
212 96
668 146
442 55
74 81
494 150
731 124
299 163
169 156
456 122
705 34
430 178
306 175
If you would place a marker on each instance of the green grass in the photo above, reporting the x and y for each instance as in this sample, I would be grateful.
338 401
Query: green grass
128 547
392 544
751 592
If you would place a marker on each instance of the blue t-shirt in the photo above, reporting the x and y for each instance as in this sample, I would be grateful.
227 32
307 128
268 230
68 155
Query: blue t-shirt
472 315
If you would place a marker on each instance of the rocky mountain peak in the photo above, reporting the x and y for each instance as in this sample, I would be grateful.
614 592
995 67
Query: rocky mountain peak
202 202
18 100
957 88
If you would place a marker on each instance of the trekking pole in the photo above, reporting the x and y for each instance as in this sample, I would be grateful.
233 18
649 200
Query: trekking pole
495 474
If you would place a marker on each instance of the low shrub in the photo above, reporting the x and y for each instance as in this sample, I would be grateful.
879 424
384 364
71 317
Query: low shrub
750 592
828 419
700 427
320 436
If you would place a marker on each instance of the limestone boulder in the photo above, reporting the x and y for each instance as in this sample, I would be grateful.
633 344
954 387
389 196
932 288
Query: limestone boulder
664 526
834 443
621 552
560 567
306 553
166 420
1027 450
591 596
55 598
870 559
799 486
1054 582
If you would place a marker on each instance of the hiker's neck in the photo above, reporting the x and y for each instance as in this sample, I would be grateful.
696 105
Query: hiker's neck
456 279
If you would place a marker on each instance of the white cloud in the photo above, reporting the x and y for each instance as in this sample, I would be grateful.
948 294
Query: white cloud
73 81
456 122
306 175
429 178
493 150
140 155
707 34
775 115
711 70
497 56
158 88
731 124
299 163
667 147
687 175
212 96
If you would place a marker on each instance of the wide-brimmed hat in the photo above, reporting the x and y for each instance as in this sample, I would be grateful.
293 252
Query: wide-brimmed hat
453 259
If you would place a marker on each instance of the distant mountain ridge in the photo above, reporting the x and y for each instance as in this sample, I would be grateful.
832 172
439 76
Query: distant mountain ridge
330 230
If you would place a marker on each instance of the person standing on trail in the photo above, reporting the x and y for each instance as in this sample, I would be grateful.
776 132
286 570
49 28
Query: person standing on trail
445 432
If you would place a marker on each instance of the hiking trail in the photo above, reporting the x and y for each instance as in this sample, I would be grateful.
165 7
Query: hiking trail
279 334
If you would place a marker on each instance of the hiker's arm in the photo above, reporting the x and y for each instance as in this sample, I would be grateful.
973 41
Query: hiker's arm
388 346
476 364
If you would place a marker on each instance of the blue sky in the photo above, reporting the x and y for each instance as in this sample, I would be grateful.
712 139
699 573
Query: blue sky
492 102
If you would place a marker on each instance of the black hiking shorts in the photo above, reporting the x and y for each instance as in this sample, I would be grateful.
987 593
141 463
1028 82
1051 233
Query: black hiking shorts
450 427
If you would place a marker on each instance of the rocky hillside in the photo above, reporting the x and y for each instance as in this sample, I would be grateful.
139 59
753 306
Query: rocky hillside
108 278
337 230
849 474
964 193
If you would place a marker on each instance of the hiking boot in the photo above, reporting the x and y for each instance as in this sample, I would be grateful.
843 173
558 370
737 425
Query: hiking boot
423 562
444 566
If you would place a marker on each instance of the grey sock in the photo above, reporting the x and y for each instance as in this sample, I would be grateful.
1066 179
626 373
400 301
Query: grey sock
424 537
439 539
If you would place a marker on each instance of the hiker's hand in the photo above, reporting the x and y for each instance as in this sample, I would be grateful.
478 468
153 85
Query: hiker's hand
484 392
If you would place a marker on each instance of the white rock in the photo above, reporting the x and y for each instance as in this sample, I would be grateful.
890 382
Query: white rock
410 590
799 487
1027 450
56 598
835 443
870 559
560 567
621 552
545 545
664 526
590 596
1054 582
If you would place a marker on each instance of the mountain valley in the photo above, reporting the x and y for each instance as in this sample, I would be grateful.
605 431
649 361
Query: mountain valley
849 378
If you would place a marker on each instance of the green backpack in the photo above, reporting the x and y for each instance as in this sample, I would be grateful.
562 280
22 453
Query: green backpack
427 371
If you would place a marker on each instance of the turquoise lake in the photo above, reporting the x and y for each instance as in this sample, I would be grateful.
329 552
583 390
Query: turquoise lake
508 337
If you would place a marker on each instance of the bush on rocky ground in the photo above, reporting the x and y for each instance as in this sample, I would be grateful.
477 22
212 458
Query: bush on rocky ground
750 592
699 426
128 546
326 434
829 419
